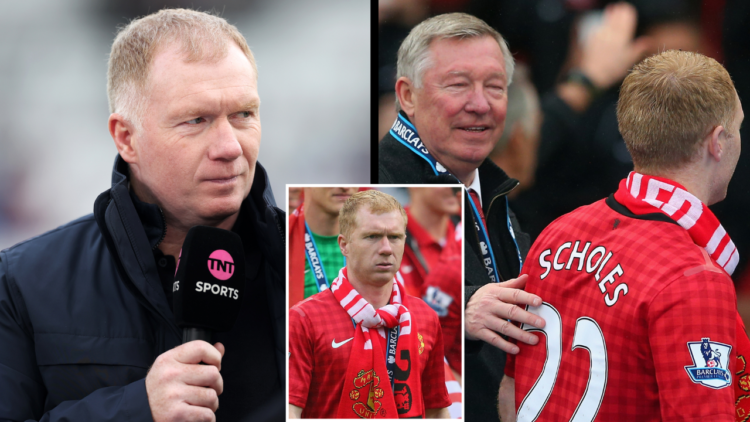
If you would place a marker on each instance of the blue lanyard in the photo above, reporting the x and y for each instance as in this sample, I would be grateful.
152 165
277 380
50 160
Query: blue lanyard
390 352
405 133
313 259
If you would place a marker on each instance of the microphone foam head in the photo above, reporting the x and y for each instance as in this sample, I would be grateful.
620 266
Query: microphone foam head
210 279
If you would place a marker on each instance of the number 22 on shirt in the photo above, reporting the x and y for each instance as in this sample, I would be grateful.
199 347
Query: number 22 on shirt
588 335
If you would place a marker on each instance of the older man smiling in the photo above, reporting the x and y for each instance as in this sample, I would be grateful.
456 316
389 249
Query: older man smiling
452 80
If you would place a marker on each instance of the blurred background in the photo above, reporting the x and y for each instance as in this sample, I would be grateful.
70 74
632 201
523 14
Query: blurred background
561 138
56 154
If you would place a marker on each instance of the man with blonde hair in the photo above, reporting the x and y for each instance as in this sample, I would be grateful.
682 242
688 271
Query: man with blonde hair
639 303
364 348
86 319
453 74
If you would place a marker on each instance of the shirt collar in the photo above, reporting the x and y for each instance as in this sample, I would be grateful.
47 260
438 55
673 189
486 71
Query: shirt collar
476 187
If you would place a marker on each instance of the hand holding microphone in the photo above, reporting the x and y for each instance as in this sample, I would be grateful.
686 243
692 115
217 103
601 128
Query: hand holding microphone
179 389
209 282
184 383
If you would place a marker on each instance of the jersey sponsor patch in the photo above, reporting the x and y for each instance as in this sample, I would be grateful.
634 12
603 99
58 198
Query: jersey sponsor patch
710 363
438 300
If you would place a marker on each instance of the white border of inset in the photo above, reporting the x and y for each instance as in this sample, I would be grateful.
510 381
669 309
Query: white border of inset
374 186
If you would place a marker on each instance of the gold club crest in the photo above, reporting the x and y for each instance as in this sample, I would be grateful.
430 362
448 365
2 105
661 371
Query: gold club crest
370 408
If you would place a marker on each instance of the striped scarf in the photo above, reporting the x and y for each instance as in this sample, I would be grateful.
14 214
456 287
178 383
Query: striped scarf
367 391
643 194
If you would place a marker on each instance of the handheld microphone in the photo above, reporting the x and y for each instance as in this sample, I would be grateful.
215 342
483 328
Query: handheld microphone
209 282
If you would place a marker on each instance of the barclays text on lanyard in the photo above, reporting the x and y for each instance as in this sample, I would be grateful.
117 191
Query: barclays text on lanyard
406 133
314 260
390 353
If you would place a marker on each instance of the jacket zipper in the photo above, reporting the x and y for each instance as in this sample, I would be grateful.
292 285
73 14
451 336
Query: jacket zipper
499 276
164 234
278 227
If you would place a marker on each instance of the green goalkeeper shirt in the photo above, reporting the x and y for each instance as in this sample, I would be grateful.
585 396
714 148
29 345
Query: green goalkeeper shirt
330 256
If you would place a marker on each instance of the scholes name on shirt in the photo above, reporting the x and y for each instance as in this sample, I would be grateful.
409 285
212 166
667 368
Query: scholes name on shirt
594 261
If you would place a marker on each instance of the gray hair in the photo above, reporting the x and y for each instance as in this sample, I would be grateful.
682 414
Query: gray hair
414 54
200 35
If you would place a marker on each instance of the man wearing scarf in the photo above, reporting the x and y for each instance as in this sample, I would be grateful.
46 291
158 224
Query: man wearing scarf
364 348
639 303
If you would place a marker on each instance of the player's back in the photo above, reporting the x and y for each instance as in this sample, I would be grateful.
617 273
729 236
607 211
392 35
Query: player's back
628 302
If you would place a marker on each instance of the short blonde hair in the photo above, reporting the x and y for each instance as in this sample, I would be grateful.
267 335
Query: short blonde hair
375 201
414 52
200 35
669 103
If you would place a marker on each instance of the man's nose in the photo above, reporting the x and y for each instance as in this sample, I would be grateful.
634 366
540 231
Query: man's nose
224 142
477 101
384 247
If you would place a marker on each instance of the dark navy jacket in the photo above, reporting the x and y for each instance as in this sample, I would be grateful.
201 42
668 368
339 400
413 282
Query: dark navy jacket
483 367
83 315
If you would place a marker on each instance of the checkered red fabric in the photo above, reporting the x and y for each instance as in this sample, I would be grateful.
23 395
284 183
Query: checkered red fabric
645 194
442 292
742 381
367 365
320 342
412 270
633 298
454 393
441 286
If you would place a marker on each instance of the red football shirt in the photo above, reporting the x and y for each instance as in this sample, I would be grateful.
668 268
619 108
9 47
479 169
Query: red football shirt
640 324
442 292
320 343
440 284
412 270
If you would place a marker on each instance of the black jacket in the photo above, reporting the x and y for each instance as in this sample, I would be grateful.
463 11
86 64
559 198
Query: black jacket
484 365
83 314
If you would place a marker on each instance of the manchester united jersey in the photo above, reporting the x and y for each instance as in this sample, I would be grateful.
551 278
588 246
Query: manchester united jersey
432 270
640 323
321 334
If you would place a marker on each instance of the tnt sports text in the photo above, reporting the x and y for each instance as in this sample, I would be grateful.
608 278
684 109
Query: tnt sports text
216 289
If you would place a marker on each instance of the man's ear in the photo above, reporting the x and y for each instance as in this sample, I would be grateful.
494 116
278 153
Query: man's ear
716 140
122 132
405 94
343 245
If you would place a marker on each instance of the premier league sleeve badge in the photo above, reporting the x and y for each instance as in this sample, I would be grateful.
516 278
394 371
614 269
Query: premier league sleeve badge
710 363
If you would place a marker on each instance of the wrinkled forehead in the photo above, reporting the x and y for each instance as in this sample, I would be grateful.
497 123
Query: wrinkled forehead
461 55
172 72
177 49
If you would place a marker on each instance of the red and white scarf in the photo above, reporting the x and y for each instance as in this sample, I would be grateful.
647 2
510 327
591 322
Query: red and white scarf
644 194
297 256
367 389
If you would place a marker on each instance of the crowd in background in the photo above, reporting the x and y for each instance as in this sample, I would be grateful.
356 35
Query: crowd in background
561 137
